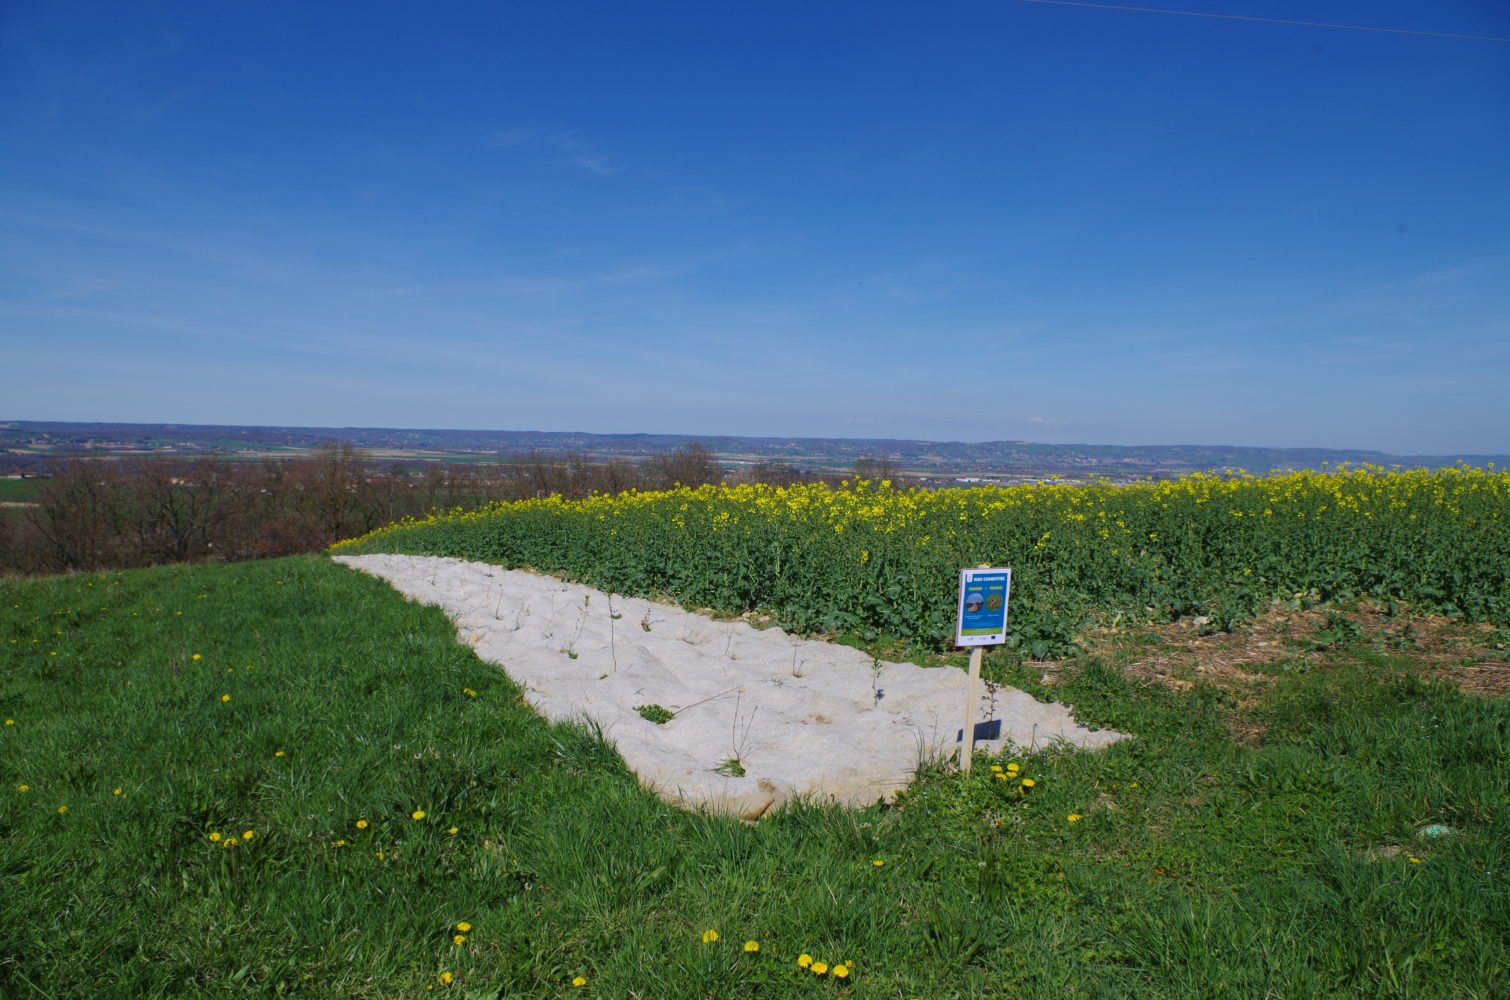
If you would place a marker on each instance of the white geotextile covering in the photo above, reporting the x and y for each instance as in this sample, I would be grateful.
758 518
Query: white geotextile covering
803 718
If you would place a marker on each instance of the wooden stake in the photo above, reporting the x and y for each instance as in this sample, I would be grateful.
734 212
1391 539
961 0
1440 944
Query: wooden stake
967 749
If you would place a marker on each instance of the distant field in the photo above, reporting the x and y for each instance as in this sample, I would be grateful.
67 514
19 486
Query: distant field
19 490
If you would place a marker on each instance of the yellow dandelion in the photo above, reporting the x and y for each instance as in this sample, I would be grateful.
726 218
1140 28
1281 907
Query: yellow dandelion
117 792
277 753
230 842
1028 782
62 810
225 697
1413 859
841 971
361 824
196 657
340 843
579 981
446 977
214 838
878 863
453 831
10 722
378 855
999 776
417 815
469 692
247 835
23 788
752 946
458 939
994 767
804 960
819 968
710 936
464 927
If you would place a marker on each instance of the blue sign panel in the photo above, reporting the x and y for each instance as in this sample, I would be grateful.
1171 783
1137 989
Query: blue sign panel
982 617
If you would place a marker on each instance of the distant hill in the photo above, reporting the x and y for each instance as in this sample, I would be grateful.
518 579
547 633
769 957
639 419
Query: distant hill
28 445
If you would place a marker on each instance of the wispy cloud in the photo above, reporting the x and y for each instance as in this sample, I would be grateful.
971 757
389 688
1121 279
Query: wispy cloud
562 144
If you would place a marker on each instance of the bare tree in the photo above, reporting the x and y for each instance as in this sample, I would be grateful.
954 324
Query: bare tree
693 464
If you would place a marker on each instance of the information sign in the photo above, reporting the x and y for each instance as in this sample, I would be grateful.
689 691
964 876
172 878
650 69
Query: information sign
982 616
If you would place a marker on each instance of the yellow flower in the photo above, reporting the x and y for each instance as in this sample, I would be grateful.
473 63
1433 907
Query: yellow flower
841 971
10 722
417 815
464 927
340 843
378 855
804 960
1074 817
752 946
878 863
248 835
994 767
361 824
453 831
579 981
230 842
1028 782
469 692
1014 767
999 776
458 939
446 977
1413 859
194 657
225 697
710 936
214 838
62 810
23 788
277 753
117 792
819 968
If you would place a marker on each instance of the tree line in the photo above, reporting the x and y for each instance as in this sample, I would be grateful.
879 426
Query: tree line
93 514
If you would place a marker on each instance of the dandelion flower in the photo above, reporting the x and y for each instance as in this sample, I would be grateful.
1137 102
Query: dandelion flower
23 788
225 697
340 843
579 981
378 855
248 834
464 927
117 792
994 767
230 842
453 831
277 753
1413 859
417 815
446 977
804 960
361 824
195 657
62 810
469 692
10 722
710 936
841 971
458 939
1074 817
752 946
819 968
214 838
1028 782
878 863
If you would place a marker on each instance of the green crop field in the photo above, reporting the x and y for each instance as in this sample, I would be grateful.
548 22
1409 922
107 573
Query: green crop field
280 778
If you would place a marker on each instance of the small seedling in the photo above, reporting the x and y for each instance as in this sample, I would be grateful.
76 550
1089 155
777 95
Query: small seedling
731 768
655 714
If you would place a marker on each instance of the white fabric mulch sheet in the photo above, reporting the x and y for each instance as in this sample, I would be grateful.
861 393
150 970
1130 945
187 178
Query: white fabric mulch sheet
804 718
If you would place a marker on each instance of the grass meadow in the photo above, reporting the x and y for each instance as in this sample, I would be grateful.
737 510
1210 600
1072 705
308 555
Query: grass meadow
278 778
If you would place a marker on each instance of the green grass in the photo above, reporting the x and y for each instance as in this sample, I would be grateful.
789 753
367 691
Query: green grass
1201 867
19 490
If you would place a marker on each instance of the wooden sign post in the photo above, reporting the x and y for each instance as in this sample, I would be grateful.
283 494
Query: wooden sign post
981 621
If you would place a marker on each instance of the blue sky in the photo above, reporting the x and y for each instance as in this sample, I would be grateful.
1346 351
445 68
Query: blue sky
963 221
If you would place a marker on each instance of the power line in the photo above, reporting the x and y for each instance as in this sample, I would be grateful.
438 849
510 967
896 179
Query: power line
1268 20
